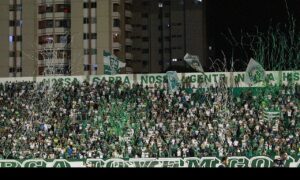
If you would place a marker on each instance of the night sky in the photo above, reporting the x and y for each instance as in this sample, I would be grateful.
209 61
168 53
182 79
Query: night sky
244 15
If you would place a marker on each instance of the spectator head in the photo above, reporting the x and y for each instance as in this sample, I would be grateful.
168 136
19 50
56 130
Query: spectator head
283 155
225 160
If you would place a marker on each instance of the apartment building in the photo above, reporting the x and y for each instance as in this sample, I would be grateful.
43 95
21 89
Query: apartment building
62 37
164 31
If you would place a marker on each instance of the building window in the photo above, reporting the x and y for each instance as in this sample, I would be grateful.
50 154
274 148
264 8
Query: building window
86 67
17 7
19 69
145 39
86 20
145 15
176 36
116 7
167 50
63 23
128 34
91 20
46 39
86 5
167 3
128 20
127 7
117 23
12 70
90 36
145 3
45 24
145 63
144 27
45 9
93 5
41 70
66 8
128 49
14 23
145 51
15 38
61 54
87 51
19 38
12 54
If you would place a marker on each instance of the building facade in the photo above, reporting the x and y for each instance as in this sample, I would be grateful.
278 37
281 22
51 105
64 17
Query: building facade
62 37
164 31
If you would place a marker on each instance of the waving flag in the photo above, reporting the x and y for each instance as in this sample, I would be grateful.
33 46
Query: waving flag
173 81
255 73
194 62
112 64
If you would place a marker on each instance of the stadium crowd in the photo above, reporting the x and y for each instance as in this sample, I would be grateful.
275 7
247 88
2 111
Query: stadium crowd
116 120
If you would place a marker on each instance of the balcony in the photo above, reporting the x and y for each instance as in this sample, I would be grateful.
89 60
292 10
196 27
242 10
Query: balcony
128 27
49 46
128 42
55 46
116 15
62 15
60 45
45 16
116 45
61 1
129 70
116 1
61 30
52 62
128 13
46 31
128 56
116 30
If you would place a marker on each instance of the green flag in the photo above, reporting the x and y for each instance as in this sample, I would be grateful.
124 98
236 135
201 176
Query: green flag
173 81
194 62
255 73
112 64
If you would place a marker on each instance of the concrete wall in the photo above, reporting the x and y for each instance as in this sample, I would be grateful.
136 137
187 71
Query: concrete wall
104 29
4 38
29 35
77 35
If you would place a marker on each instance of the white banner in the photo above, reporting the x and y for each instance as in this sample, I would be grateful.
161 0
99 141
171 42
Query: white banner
193 162
194 79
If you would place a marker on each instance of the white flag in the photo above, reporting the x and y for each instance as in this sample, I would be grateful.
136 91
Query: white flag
194 62
112 64
255 73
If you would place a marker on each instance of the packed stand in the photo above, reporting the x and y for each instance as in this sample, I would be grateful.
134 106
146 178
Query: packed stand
115 120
